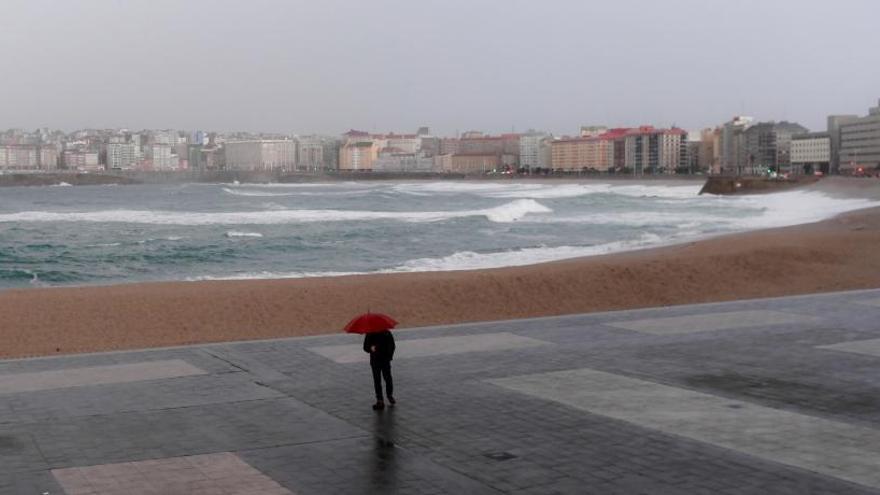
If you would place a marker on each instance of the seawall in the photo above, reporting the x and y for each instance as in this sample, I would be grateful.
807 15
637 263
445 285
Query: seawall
752 185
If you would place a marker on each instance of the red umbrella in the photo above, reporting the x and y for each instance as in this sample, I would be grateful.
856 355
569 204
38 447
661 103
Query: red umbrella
370 323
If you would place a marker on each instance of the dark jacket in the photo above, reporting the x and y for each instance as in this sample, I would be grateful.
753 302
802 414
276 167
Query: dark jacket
384 343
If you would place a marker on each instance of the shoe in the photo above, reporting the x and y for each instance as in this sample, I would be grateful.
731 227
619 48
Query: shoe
378 406
392 401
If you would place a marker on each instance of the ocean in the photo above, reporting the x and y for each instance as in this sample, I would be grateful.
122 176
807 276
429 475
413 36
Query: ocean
88 235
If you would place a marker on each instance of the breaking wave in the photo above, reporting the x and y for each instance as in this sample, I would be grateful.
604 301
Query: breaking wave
469 260
548 191
234 233
509 212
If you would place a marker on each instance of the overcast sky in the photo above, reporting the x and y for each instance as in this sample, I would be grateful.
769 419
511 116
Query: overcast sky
329 65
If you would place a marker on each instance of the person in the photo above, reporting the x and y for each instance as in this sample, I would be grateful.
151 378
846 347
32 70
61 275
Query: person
380 347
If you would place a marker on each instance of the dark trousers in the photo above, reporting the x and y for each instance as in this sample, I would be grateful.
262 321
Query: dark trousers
382 370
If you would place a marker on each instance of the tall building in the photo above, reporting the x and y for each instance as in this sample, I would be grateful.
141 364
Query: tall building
545 153
310 153
834 123
358 151
860 143
648 150
195 159
768 145
47 157
161 157
734 159
121 155
810 152
531 145
709 159
581 154
83 161
28 157
262 154
315 153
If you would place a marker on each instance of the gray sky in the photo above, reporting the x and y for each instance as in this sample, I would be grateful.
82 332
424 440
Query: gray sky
494 65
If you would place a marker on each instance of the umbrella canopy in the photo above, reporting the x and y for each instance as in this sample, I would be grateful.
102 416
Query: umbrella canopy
370 323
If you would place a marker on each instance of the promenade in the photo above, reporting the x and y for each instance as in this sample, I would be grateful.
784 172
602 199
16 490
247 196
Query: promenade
764 396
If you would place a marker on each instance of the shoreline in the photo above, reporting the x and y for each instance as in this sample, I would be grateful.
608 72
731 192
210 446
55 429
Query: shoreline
831 255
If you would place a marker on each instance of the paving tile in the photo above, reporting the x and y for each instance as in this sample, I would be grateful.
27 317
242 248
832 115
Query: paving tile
436 346
95 375
360 466
711 322
845 451
169 476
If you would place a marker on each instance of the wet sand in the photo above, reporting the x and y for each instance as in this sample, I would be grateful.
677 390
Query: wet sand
837 254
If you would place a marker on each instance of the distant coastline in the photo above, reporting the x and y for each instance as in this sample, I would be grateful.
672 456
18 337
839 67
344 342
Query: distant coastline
141 177
723 185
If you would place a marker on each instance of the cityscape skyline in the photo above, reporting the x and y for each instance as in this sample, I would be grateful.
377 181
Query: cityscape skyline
325 67
850 145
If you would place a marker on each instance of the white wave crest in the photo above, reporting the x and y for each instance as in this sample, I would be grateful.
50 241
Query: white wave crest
235 233
469 260
257 194
172 238
301 185
548 191
270 194
270 275
509 212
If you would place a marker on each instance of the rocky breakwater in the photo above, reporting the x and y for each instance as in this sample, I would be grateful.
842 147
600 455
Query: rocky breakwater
753 185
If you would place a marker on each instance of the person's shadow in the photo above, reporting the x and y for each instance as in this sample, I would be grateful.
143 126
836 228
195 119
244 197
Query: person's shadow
384 466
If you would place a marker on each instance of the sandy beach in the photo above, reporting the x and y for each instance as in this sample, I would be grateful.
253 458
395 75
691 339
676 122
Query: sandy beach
836 254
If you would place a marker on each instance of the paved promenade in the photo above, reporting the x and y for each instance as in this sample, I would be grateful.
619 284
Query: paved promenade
769 396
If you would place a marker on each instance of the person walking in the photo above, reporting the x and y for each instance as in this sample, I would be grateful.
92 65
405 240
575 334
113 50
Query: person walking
380 347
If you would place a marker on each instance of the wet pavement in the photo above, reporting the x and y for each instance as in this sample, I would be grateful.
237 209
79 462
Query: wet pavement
765 396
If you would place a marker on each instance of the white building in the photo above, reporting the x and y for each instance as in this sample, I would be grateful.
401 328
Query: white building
860 143
162 157
734 158
83 161
265 154
18 157
311 153
531 146
121 156
403 162
810 152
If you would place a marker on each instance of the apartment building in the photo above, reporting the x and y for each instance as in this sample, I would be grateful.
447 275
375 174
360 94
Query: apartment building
860 143
810 152
261 154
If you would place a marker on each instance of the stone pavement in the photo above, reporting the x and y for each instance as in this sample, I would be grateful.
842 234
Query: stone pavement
764 396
